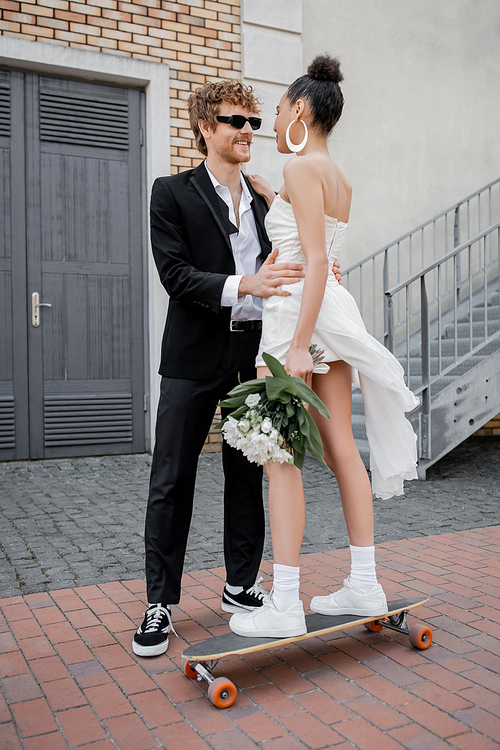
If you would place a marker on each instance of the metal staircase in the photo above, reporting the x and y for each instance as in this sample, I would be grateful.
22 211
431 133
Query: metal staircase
434 302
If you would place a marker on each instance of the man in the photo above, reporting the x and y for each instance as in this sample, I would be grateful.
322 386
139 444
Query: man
215 261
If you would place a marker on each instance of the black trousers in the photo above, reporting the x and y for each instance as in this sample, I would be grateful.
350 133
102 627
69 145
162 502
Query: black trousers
185 412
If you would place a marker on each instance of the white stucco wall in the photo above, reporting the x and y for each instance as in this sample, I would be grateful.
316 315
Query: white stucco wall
420 123
272 56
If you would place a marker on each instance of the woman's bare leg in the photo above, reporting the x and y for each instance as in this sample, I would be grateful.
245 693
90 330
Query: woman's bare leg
341 452
286 507
287 519
286 512
361 594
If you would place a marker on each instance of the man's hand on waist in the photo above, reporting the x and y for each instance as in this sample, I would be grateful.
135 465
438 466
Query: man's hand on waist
269 277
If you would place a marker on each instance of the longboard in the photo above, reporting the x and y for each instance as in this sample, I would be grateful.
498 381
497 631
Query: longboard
200 658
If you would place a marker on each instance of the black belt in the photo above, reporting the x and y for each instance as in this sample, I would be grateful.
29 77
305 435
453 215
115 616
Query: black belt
245 325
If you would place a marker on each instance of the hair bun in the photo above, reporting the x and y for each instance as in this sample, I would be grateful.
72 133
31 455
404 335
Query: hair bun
325 68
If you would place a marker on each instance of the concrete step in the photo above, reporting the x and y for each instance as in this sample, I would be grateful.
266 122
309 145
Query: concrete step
364 451
416 364
463 329
478 314
357 402
358 426
438 385
448 347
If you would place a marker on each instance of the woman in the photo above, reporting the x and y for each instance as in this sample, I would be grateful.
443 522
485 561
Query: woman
307 221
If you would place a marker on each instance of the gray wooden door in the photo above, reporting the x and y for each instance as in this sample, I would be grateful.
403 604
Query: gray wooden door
71 369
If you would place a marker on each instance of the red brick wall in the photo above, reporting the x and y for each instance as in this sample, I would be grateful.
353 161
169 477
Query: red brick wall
491 428
199 39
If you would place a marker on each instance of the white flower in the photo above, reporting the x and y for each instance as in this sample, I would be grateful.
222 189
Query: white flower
244 425
252 400
231 432
266 426
276 437
257 446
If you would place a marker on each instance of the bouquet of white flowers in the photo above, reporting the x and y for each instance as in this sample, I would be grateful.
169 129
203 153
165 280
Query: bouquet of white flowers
270 422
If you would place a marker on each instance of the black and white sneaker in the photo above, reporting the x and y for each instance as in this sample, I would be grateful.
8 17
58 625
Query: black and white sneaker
151 638
248 600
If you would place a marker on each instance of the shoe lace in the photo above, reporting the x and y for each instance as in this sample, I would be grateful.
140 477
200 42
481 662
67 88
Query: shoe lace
257 590
154 616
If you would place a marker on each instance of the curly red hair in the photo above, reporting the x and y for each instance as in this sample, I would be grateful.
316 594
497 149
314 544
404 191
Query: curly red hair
203 104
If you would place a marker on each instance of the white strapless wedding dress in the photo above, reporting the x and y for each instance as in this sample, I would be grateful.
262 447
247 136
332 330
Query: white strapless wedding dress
340 331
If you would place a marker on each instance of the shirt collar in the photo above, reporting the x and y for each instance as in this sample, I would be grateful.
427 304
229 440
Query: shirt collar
246 195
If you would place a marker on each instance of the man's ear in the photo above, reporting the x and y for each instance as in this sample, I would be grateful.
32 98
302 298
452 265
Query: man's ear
205 129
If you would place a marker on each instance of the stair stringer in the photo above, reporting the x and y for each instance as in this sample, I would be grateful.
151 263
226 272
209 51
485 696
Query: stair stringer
461 408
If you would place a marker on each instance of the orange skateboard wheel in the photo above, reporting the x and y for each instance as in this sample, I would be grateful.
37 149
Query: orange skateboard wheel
189 671
420 636
375 626
222 693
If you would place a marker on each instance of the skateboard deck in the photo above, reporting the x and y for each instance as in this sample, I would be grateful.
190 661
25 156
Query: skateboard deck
200 658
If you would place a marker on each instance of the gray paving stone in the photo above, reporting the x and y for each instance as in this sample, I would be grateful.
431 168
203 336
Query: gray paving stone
76 522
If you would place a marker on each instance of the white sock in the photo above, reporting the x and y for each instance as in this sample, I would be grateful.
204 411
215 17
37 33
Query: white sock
363 576
155 604
286 583
234 589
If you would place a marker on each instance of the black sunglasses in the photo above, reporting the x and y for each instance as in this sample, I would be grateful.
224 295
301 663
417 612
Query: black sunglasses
238 121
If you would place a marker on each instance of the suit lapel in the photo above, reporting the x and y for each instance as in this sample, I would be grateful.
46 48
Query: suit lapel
259 208
203 185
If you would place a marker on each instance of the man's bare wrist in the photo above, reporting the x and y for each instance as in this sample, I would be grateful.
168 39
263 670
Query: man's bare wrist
243 288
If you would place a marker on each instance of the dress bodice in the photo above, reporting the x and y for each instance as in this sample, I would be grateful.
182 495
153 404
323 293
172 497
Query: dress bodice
282 231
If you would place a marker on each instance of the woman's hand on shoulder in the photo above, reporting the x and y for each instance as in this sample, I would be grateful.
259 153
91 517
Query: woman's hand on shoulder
299 363
262 187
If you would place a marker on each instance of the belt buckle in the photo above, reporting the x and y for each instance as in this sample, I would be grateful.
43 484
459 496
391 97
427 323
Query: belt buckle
234 330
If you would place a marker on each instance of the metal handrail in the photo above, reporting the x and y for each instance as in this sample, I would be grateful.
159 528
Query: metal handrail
439 261
477 266
419 228
427 242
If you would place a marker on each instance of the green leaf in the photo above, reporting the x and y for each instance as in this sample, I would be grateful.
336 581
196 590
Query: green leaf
307 394
304 425
315 445
298 459
275 367
249 386
232 403
278 389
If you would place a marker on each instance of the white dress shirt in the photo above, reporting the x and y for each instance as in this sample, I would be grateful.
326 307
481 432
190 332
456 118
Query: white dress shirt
246 251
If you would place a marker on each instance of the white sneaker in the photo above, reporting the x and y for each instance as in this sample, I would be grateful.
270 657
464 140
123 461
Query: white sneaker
350 601
267 622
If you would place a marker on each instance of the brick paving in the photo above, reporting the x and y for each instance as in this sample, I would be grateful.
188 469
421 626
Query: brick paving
76 522
69 679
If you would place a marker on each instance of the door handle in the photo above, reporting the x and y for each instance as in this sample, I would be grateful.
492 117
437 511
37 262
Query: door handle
35 309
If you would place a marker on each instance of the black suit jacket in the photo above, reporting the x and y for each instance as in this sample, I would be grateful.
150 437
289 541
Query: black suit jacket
192 250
